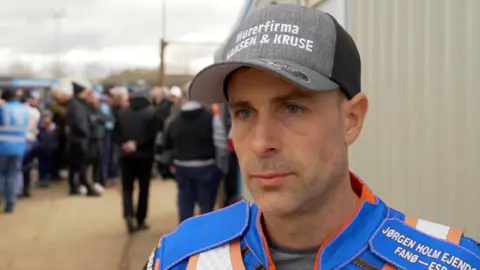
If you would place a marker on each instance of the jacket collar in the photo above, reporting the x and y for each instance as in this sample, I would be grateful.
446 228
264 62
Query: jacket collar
344 245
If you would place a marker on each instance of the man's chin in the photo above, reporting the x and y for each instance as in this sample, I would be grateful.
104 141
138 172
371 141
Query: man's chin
275 203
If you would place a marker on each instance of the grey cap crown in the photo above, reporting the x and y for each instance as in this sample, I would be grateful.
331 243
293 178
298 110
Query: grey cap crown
305 46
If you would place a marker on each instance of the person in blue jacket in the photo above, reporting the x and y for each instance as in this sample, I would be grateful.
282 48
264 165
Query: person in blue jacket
14 117
291 77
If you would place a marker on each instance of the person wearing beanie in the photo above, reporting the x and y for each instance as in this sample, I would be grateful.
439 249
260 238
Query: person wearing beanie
14 120
79 133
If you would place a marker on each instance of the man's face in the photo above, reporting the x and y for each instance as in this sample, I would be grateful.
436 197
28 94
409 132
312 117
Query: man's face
47 120
291 143
158 93
33 101
85 95
93 98
61 97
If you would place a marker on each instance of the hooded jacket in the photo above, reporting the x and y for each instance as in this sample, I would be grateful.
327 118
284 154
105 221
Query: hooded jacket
196 137
138 122
78 120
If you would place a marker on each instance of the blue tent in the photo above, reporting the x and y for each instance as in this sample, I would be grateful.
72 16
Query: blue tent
32 82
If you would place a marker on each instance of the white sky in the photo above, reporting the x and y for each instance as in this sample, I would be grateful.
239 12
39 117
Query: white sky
102 35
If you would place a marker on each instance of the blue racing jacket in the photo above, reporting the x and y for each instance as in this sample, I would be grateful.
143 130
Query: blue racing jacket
376 237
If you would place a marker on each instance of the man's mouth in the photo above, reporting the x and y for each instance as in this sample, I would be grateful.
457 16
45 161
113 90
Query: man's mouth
270 179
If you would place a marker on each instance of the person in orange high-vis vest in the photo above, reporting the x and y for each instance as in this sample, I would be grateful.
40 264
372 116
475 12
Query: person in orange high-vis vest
292 78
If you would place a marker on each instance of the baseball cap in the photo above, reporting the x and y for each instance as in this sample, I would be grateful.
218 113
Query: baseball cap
176 91
305 46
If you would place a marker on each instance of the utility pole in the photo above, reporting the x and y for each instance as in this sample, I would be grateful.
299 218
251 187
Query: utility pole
164 43
161 72
57 15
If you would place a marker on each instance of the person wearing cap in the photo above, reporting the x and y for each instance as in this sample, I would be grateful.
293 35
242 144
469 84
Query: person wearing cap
14 120
291 77
79 134
175 95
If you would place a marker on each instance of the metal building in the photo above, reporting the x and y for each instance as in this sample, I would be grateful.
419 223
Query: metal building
421 71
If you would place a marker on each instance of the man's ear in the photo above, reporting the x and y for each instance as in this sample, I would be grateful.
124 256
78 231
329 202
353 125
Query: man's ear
356 110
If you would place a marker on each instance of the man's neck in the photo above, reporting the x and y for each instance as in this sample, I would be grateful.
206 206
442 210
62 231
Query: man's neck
311 229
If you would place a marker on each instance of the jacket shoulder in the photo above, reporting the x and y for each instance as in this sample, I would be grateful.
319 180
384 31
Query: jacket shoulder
411 243
202 233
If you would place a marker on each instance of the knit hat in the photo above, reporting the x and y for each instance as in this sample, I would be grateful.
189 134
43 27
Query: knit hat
77 88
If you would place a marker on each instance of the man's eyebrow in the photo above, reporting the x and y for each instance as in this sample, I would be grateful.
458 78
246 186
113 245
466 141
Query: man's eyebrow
279 99
240 104
292 96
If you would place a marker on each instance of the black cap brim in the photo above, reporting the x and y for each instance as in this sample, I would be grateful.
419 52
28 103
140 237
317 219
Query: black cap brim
207 86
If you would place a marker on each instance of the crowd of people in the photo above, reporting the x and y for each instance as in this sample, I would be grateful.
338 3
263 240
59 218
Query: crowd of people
101 133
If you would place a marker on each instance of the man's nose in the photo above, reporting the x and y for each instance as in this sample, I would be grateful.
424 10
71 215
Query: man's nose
266 137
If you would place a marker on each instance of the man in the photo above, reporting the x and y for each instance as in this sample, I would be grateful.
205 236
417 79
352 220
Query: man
161 102
163 107
30 100
106 103
136 128
58 106
175 95
79 134
120 102
14 119
197 141
293 87
97 137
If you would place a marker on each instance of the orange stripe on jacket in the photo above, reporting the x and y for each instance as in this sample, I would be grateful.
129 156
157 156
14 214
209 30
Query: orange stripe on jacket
193 262
236 256
365 194
454 235
412 221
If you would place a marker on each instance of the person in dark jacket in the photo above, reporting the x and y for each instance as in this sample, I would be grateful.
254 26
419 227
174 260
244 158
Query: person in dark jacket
47 144
163 108
58 108
198 144
79 133
161 102
136 129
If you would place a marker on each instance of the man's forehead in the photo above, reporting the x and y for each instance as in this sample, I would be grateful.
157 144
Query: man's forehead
247 77
272 96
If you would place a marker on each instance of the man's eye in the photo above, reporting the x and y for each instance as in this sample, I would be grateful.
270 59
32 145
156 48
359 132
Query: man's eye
293 109
244 113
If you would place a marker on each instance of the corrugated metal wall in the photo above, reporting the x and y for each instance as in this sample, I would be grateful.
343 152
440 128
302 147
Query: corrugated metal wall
420 147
